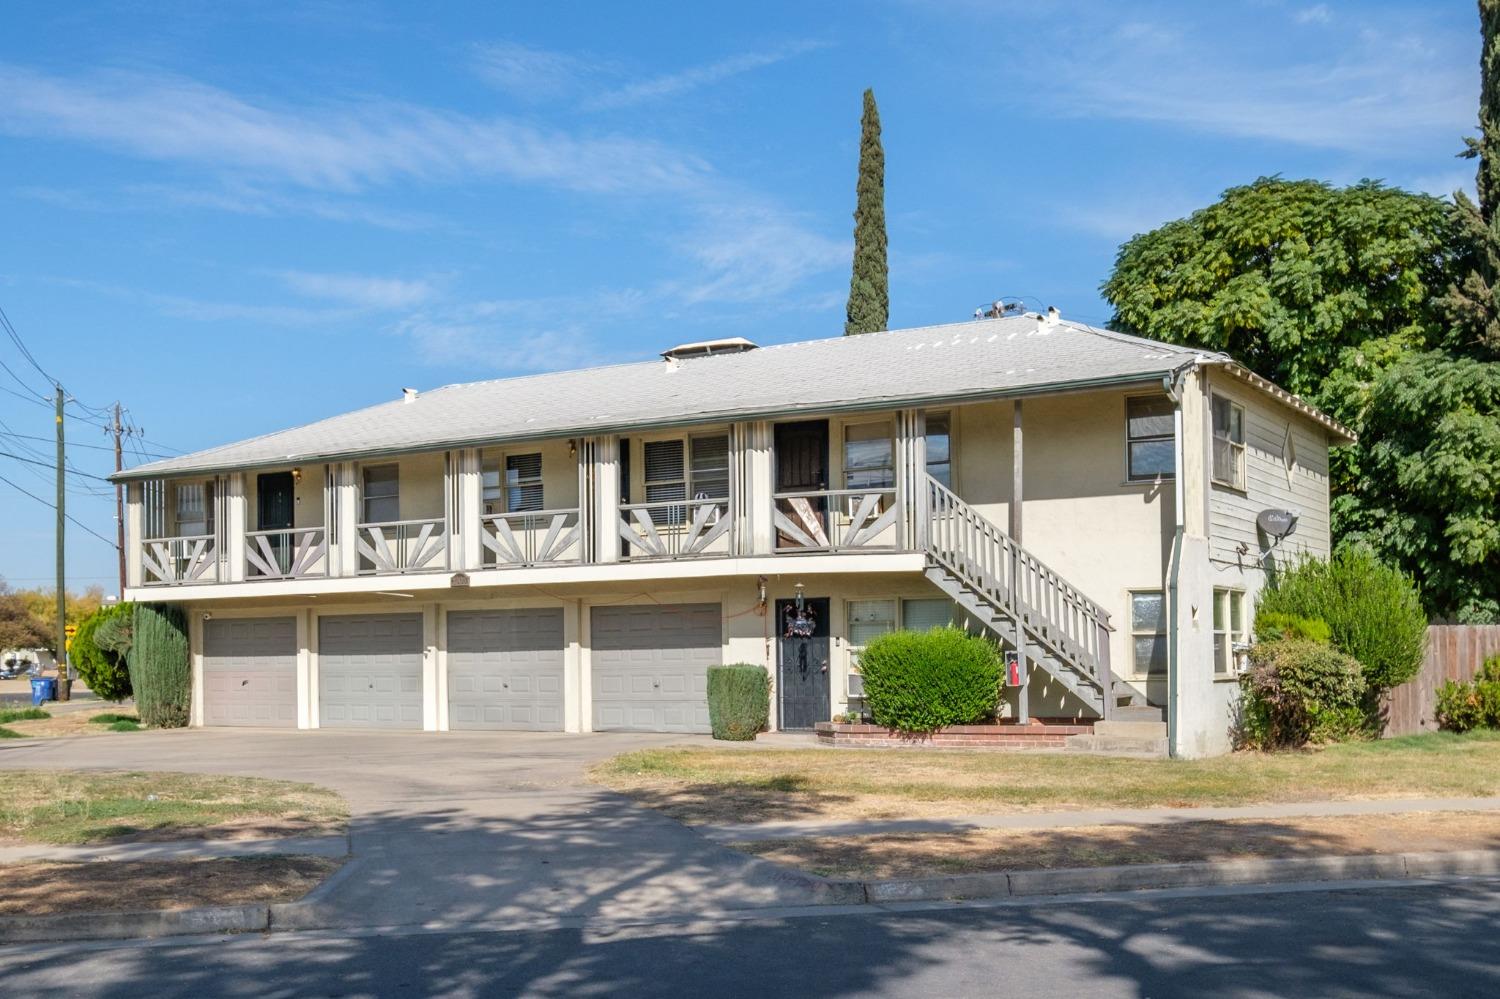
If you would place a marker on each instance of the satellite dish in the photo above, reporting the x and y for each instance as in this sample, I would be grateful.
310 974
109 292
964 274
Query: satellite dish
1276 523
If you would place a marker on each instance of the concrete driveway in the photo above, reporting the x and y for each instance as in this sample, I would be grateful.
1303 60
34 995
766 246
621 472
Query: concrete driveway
462 828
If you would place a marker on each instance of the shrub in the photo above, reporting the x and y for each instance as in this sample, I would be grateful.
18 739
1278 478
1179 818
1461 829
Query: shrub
921 681
160 671
1298 691
8 715
1373 612
1465 706
1272 625
739 701
99 664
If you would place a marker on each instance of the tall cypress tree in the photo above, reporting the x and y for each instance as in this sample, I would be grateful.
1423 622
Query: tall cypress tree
869 286
1474 303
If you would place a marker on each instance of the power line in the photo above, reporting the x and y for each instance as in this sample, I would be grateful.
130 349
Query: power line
7 432
48 464
53 506
21 346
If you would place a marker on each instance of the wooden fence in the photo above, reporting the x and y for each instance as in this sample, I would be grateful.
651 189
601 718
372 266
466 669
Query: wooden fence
1454 652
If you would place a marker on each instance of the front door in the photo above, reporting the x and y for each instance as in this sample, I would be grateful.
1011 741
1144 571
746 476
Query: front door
275 500
802 467
802 662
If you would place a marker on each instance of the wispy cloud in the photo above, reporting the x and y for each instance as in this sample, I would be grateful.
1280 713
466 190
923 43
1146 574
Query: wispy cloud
358 290
1316 14
531 73
345 145
696 77
747 253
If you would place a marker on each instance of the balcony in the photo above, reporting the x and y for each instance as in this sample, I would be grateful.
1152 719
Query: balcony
185 559
402 546
288 554
537 537
675 529
837 520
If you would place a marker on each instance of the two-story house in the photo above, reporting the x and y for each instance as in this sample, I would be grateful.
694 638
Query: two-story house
569 551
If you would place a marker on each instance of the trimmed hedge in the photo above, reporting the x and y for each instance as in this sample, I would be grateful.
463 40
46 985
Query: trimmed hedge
1299 691
1373 612
739 701
160 669
100 666
922 681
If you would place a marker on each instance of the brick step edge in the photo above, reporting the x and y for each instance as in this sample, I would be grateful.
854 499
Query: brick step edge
1075 880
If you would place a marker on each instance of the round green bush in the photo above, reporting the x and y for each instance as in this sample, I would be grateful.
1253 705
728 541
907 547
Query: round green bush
1299 691
739 701
1373 612
922 681
102 668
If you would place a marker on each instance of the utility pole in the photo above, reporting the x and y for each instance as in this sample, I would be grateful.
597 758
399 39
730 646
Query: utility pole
119 501
62 583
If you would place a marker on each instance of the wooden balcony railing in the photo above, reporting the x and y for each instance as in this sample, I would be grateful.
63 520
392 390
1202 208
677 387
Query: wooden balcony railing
832 520
402 546
291 554
534 537
186 559
676 528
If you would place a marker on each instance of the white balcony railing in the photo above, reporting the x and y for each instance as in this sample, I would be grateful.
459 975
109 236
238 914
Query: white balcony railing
831 520
289 554
534 537
676 528
187 559
402 546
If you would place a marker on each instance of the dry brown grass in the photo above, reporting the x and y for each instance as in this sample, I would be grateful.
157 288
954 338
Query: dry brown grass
70 723
913 855
47 889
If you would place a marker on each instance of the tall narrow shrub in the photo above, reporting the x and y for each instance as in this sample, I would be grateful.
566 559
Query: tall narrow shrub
739 701
160 670
869 284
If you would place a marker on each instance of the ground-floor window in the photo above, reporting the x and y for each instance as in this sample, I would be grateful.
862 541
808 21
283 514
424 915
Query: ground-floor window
1148 632
868 620
1231 628
926 614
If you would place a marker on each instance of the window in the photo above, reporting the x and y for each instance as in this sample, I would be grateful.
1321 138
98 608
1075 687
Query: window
194 508
1150 439
666 475
869 458
1229 443
493 494
1229 628
869 619
1148 633
924 615
381 494
940 448
523 482
709 473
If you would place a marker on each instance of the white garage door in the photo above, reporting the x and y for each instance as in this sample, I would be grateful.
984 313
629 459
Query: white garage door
650 665
505 669
250 671
370 671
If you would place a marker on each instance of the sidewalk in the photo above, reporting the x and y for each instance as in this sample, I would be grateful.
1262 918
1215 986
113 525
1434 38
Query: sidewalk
743 832
191 849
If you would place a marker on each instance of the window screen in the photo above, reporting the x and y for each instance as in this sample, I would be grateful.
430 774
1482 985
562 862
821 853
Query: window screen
924 615
523 482
1229 443
1148 632
1152 451
382 488
710 471
869 458
666 478
939 449
869 619
195 508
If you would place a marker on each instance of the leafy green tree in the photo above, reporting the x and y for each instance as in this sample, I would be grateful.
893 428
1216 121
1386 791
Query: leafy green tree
19 628
102 667
869 285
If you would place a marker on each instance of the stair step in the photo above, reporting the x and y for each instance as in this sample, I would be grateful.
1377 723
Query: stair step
1117 727
1116 745
1138 713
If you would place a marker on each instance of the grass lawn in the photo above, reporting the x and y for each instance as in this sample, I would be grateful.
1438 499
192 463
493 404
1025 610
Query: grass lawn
94 720
916 855
76 807
46 889
748 785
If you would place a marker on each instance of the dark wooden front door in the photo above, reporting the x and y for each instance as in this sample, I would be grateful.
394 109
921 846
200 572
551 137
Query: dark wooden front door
802 456
275 503
802 664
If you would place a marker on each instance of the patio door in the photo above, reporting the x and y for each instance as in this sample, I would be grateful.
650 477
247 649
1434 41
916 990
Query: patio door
802 467
802 663
275 510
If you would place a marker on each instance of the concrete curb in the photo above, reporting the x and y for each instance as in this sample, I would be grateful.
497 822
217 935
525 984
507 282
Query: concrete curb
126 925
1079 880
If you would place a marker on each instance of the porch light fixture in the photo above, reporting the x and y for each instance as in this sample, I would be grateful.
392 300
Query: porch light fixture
799 588
296 475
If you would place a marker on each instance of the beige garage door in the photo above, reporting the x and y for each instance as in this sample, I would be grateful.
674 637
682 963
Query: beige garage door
250 671
505 669
650 666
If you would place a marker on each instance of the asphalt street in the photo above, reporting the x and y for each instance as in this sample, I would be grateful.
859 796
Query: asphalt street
1302 941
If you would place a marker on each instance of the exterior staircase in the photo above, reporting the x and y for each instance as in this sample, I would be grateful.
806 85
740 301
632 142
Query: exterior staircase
1012 593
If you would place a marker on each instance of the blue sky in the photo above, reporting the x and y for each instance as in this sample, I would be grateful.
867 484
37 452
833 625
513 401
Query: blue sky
241 217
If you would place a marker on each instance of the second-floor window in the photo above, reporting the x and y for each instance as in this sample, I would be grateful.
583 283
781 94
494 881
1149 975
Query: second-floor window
696 468
381 502
194 508
869 458
523 482
1229 443
1150 440
940 448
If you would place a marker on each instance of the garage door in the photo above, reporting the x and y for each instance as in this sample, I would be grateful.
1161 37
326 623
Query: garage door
649 666
370 671
505 669
250 671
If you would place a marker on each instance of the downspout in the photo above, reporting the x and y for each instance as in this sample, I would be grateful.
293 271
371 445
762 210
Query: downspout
1172 383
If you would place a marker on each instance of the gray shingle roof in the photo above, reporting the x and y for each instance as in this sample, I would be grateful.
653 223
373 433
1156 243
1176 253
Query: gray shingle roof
983 358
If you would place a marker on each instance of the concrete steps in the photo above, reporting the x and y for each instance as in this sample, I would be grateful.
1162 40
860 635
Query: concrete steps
1136 736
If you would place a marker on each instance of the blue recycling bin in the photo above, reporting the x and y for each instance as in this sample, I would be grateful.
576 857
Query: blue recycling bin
43 689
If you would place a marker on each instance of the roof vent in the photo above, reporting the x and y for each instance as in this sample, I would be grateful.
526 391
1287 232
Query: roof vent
708 348
1053 315
408 395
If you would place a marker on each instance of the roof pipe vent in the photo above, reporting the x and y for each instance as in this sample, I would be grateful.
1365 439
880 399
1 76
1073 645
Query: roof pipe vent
408 395
1053 315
